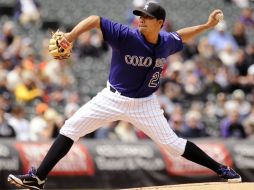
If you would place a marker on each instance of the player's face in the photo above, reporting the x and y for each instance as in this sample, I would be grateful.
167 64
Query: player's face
148 25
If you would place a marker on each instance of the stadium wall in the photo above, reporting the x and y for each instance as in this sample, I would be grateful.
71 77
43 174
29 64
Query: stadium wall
114 164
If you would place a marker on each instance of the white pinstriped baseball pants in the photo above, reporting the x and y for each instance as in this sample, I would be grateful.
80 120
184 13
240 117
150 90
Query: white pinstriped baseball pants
143 113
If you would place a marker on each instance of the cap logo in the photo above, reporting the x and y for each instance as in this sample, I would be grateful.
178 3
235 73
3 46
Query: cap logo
146 6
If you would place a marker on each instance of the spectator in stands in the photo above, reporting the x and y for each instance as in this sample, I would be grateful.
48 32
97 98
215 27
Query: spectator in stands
56 70
27 12
20 123
91 44
190 49
14 77
194 127
7 35
58 98
132 20
44 53
38 125
57 81
192 84
242 63
84 46
249 80
6 62
246 17
4 91
6 130
210 118
13 52
107 132
54 122
29 61
244 106
176 120
248 123
249 53
174 73
250 96
228 55
232 126
168 25
3 47
27 91
223 77
72 105
171 95
241 3
205 49
6 104
220 38
208 69
239 34
126 132
230 104
48 87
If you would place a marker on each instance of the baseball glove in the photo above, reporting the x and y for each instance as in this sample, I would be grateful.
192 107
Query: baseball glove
59 47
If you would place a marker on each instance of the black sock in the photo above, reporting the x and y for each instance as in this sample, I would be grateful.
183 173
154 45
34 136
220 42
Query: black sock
195 154
57 151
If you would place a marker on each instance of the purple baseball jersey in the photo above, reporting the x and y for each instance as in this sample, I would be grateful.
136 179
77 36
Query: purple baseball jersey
136 64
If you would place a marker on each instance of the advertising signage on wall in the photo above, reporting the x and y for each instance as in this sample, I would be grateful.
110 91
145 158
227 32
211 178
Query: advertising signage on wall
77 162
114 164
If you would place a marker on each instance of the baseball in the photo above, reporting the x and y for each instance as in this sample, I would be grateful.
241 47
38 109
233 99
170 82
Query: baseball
219 16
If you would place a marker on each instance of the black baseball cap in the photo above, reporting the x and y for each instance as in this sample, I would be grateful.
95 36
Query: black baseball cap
151 9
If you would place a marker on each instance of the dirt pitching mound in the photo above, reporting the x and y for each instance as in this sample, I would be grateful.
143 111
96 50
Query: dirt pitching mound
202 186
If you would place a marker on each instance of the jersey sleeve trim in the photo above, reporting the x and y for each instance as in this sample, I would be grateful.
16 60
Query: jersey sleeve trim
101 28
177 36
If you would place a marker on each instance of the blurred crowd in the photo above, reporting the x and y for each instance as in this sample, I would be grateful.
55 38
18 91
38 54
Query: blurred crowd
207 90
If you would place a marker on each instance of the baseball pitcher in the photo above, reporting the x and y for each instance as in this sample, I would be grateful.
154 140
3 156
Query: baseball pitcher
137 60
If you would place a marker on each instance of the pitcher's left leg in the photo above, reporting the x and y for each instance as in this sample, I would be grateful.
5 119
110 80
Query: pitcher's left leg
150 119
148 116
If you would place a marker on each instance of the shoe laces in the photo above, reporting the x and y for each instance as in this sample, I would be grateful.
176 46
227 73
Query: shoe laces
227 171
32 172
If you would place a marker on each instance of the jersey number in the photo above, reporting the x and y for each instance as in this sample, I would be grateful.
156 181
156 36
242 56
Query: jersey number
155 80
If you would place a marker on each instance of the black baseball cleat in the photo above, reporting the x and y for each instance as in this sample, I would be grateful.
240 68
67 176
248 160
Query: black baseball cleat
229 174
30 180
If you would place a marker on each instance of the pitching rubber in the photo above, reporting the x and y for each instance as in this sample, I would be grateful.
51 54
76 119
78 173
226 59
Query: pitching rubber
202 186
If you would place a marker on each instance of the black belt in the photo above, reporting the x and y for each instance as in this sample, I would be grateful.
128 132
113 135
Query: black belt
113 90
